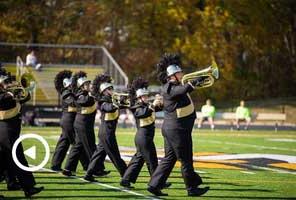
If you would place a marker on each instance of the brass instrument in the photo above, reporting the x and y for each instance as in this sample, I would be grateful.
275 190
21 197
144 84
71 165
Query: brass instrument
121 99
28 81
209 75
156 100
21 89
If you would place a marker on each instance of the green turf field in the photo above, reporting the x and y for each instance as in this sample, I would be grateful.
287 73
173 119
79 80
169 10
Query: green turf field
256 170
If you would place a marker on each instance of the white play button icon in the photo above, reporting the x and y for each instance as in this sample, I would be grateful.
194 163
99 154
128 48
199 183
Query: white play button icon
31 152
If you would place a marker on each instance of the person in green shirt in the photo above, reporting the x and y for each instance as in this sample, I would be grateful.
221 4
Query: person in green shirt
242 114
208 113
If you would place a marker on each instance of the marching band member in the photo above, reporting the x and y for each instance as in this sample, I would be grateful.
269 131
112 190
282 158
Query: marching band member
63 83
10 128
144 113
83 124
8 174
179 117
2 167
107 140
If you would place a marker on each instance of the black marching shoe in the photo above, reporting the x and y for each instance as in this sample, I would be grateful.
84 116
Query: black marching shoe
101 173
14 187
167 185
2 177
67 173
32 191
197 191
56 169
156 192
126 184
89 178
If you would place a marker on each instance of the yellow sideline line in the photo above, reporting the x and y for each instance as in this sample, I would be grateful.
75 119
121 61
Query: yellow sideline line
285 165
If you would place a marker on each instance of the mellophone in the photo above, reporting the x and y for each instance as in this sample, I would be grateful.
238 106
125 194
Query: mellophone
207 75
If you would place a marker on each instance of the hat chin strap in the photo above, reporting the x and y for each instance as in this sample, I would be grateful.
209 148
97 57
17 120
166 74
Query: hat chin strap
176 79
141 100
106 92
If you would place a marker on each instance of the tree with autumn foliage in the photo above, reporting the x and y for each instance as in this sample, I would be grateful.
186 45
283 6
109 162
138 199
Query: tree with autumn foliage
253 42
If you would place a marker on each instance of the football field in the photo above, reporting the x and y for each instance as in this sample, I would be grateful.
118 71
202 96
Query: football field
235 164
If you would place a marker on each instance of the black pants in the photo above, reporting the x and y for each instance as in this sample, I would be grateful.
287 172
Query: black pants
107 145
66 139
84 142
178 146
5 173
10 177
146 152
2 164
10 131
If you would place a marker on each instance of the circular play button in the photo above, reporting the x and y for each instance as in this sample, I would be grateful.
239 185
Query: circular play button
31 151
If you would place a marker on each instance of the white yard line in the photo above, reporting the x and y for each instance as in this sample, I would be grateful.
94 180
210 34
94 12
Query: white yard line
247 172
108 186
51 137
225 157
200 172
281 140
248 145
269 169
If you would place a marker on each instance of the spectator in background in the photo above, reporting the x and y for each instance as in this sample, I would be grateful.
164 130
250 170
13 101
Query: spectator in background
208 113
31 60
29 119
123 118
242 114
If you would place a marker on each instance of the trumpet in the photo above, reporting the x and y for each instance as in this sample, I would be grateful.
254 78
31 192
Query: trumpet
209 75
121 99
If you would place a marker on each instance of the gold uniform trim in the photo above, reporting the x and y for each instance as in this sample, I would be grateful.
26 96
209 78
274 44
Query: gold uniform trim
148 120
7 114
72 109
111 115
186 110
89 110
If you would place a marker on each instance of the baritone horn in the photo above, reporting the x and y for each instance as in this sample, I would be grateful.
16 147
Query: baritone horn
22 88
28 82
209 75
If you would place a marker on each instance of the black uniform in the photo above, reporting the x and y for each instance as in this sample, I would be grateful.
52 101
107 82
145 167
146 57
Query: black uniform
68 134
146 151
2 167
107 139
84 131
176 129
10 127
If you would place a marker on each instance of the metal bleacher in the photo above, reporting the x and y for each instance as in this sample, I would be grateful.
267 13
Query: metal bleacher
92 59
95 60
